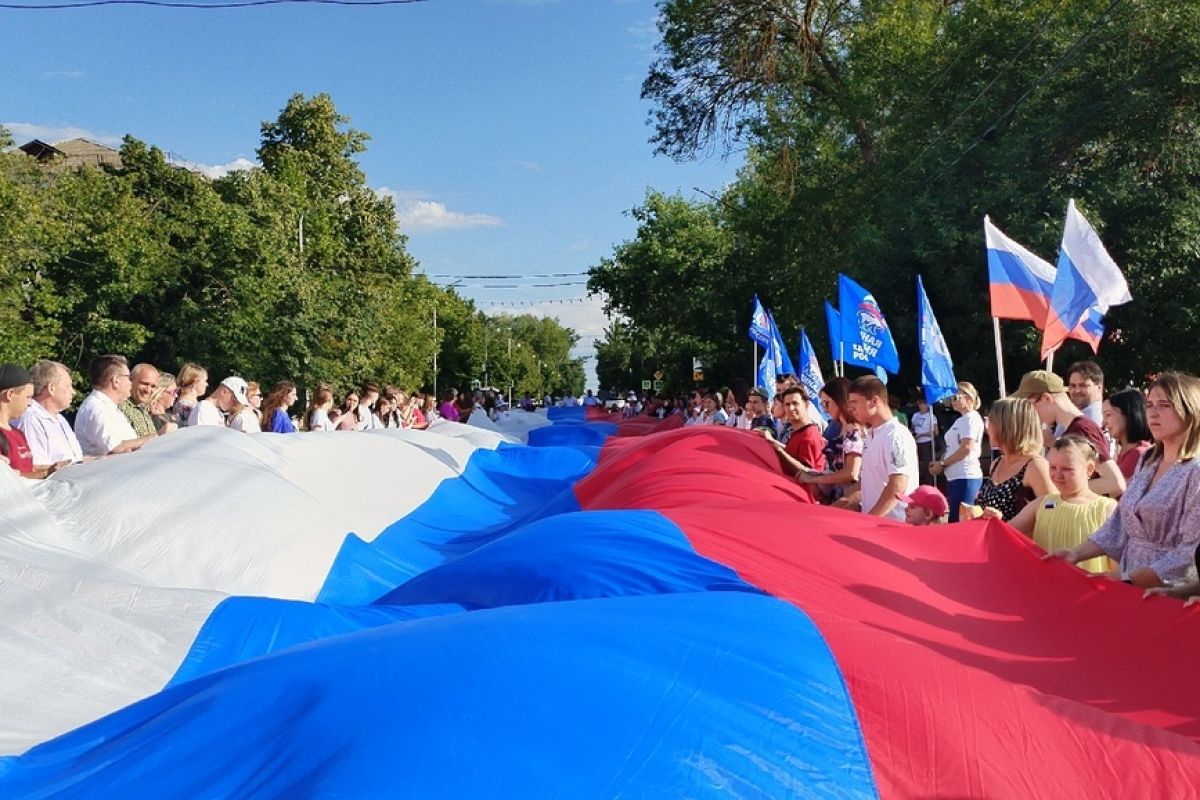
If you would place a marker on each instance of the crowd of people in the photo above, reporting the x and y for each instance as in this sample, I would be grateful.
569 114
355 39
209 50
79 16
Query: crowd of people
1111 484
1108 483
128 406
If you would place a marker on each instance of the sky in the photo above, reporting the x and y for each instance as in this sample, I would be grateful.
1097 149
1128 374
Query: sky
511 133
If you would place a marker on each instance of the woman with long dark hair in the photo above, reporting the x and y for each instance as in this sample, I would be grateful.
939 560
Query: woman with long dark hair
275 418
1125 421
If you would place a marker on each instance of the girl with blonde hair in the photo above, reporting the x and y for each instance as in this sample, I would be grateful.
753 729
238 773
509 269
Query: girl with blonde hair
192 382
1066 517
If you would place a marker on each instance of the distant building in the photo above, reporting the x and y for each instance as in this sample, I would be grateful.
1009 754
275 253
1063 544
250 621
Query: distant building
72 153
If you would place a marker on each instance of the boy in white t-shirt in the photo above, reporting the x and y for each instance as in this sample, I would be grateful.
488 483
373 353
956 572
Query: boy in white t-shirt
889 463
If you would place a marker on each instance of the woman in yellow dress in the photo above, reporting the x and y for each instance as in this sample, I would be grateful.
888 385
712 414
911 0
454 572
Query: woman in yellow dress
1067 517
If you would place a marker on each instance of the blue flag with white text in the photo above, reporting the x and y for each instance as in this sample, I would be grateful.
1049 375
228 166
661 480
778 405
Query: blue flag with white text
760 324
810 372
865 338
783 362
937 369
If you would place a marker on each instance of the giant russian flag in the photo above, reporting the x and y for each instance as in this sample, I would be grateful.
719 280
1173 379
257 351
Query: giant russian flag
610 610
1021 284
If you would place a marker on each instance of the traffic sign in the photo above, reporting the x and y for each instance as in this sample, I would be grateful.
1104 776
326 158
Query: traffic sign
645 384
658 386
658 376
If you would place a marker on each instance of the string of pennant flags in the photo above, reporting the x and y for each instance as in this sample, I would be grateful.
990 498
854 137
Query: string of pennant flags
1067 302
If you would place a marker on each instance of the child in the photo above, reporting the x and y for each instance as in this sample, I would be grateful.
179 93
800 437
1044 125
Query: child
925 506
1066 518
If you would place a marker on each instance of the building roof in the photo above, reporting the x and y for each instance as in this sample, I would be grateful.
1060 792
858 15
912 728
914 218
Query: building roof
73 153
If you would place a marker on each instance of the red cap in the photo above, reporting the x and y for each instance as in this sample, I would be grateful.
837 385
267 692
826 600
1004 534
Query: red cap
928 498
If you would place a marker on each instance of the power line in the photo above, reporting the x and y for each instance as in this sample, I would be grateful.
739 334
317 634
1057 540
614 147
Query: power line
511 277
1055 67
200 6
1042 29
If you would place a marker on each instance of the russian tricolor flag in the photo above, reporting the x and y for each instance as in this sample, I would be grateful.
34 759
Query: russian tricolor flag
1021 285
610 610
1087 278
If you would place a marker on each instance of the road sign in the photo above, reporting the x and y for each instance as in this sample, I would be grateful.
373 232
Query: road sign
658 376
645 384
658 386
697 375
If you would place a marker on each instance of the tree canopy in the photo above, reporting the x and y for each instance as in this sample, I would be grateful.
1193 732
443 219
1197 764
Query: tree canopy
879 133
291 270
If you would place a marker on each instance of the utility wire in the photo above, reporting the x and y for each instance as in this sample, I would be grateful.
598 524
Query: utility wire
511 277
1055 67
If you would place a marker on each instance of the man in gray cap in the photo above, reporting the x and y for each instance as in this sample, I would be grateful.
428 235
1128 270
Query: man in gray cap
1048 394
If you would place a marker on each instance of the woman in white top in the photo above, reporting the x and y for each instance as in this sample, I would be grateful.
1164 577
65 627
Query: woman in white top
317 416
963 440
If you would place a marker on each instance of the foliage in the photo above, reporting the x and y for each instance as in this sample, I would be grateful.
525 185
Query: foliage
295 269
879 133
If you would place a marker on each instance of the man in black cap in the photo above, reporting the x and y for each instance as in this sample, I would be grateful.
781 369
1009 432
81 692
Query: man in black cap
16 389
758 409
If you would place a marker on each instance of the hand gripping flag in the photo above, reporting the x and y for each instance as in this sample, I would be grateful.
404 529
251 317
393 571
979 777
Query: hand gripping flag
783 362
1087 278
1020 284
760 324
810 372
937 369
865 337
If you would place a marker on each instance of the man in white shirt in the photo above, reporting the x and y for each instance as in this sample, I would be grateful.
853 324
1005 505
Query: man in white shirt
51 440
1085 384
212 409
590 399
100 426
889 463
366 407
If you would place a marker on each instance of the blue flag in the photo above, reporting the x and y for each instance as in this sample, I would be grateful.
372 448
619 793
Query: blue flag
937 370
865 337
760 324
766 373
810 372
783 362
833 323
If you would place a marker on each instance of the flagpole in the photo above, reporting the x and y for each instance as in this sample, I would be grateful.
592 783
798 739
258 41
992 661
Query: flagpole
754 370
1050 362
842 359
999 356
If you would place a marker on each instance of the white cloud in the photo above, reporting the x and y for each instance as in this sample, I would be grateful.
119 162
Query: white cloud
415 212
644 33
214 171
579 247
22 132
532 166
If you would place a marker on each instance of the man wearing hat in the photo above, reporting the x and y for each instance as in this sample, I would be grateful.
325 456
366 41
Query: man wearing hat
1048 394
758 410
212 409
16 390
